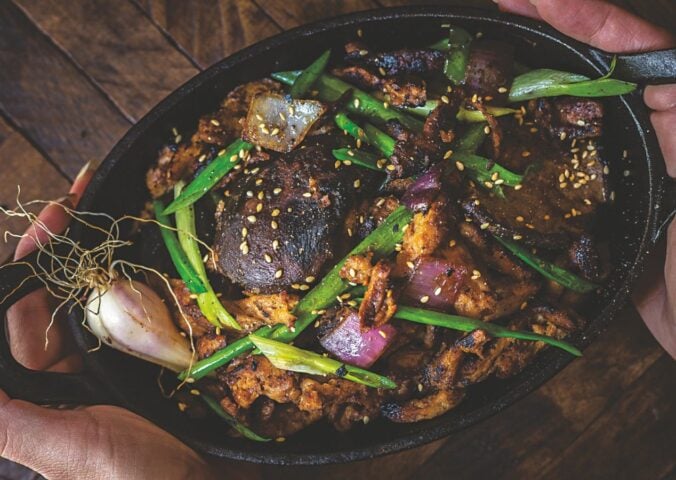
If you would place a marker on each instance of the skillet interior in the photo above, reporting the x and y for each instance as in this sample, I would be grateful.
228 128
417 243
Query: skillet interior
119 188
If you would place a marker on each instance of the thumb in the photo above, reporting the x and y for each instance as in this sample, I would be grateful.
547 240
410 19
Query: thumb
98 442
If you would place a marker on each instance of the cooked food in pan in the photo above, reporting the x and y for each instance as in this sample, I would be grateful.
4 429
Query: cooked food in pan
384 229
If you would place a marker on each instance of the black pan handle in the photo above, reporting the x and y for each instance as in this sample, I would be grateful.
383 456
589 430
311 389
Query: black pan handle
656 67
43 388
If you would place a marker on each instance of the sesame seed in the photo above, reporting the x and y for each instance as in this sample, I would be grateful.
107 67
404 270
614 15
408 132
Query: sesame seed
274 225
267 258
390 167
249 194
360 33
353 272
336 164
274 131
174 131
487 129
261 195
382 334
484 226
245 232
444 99
386 105
233 158
437 291
410 265
517 237
182 406
356 103
275 212
265 130
357 183
502 89
424 299
280 439
202 158
275 244
310 279
215 122
581 123
474 98
448 154
279 273
562 185
523 305
525 154
382 71
476 274
533 130
499 181
519 218
307 194
488 184
518 187
452 243
380 202
420 387
194 391
244 247
251 218
562 136
282 116
259 207
626 173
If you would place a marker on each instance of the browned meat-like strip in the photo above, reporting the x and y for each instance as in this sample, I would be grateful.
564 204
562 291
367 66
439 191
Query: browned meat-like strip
425 408
440 123
422 237
357 269
275 420
256 311
405 91
277 228
359 76
214 131
400 62
366 216
569 117
208 344
343 402
496 131
251 377
378 305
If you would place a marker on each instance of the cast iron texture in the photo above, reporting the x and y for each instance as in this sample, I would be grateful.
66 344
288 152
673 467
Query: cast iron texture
644 200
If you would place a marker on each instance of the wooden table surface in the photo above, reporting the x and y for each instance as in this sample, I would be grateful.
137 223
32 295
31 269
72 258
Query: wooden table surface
76 74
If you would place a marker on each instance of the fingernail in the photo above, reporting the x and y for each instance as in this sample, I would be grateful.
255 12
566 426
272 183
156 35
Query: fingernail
87 166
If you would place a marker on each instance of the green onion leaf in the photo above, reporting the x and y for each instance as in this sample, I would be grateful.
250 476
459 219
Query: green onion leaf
208 302
288 357
459 41
309 76
550 83
178 256
245 431
476 166
358 157
379 139
548 269
465 324
471 139
347 125
210 176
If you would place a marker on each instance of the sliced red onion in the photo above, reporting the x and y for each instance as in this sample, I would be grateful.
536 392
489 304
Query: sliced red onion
434 283
424 190
489 68
351 344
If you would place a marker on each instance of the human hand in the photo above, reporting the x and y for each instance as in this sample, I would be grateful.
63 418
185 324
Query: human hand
91 442
614 30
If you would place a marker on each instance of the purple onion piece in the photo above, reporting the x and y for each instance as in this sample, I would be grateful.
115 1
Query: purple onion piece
434 283
420 195
351 344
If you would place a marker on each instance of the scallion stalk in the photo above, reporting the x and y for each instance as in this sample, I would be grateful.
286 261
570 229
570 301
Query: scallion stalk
379 139
548 269
210 176
459 41
245 431
465 324
208 302
358 157
309 76
178 256
288 357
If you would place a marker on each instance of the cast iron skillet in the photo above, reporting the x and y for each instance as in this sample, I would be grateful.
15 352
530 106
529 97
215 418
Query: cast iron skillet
644 202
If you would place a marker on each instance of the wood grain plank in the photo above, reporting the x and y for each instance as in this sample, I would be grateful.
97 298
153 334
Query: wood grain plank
520 441
22 165
637 435
391 467
210 30
46 95
117 46
291 14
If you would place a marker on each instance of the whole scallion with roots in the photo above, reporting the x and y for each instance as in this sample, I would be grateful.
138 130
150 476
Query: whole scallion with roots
119 310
